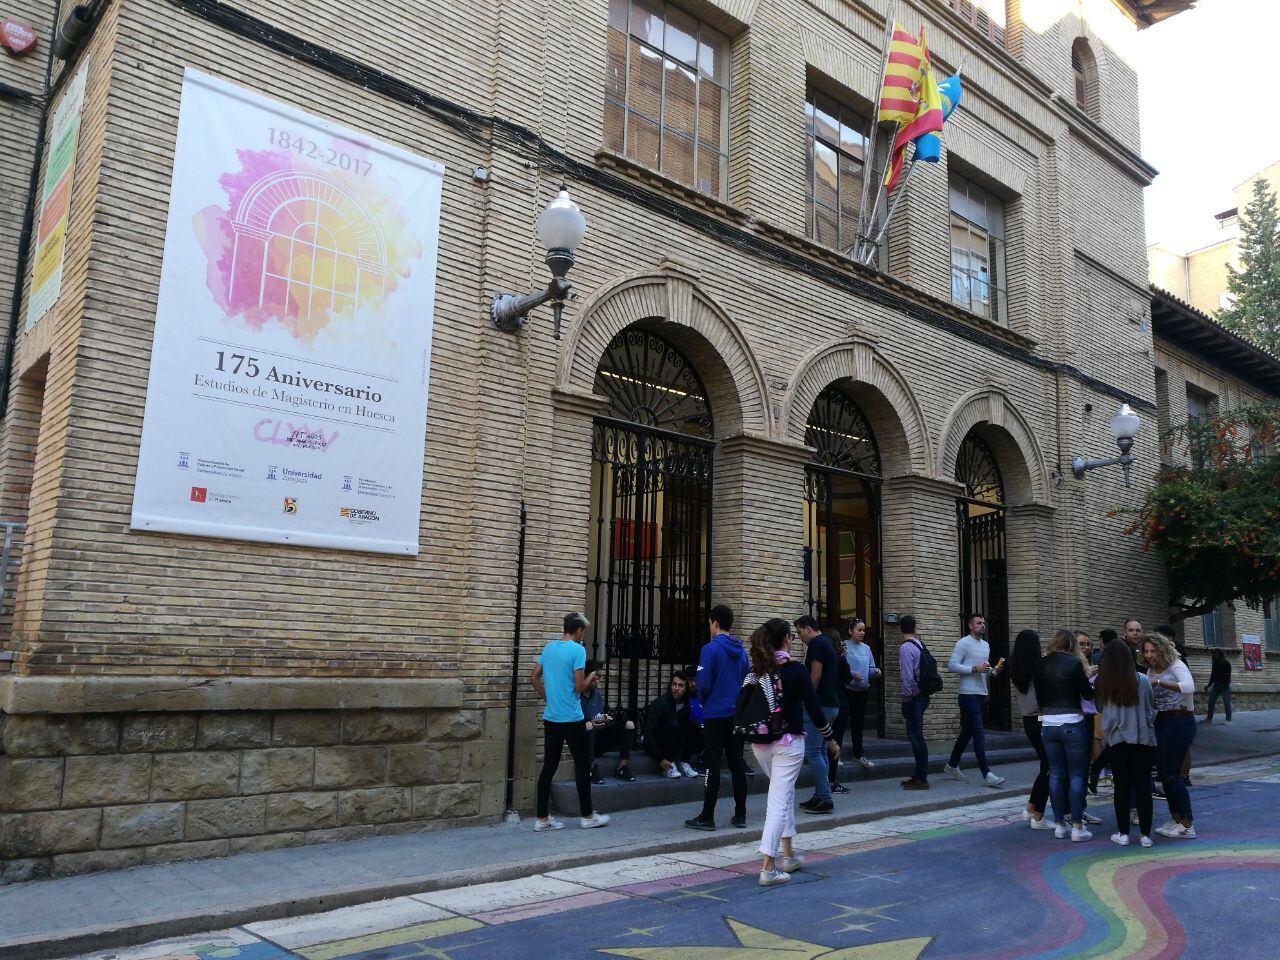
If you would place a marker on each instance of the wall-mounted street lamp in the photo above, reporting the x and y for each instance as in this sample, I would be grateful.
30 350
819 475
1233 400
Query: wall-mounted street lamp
1124 427
561 227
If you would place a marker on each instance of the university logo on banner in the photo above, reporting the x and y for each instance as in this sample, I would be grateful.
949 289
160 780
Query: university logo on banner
293 330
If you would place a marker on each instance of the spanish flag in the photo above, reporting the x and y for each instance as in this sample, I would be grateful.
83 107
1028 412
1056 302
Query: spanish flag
900 94
927 117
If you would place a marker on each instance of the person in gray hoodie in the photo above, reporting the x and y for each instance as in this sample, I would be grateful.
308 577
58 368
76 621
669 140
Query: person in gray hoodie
1128 710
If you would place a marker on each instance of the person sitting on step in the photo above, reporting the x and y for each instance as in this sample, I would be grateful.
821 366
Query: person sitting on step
598 722
670 735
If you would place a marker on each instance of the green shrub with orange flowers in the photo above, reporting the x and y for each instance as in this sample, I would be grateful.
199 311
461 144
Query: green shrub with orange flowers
1216 522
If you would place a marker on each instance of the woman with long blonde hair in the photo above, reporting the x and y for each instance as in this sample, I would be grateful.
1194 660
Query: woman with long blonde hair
1061 686
1174 692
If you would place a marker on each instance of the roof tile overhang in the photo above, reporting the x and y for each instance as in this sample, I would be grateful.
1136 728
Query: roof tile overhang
1182 325
1146 12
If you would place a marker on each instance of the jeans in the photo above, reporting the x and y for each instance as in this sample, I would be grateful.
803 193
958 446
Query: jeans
1175 733
815 752
1131 773
1040 789
781 764
971 705
1223 691
554 737
675 744
719 740
857 718
913 712
1067 747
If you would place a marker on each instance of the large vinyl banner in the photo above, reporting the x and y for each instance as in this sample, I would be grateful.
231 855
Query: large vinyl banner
288 390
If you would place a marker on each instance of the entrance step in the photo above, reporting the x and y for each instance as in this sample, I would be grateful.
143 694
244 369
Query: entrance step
891 758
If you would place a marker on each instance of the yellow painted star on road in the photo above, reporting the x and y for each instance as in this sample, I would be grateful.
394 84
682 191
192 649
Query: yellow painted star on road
757 944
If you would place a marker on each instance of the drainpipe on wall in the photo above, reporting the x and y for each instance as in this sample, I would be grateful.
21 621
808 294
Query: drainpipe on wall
511 814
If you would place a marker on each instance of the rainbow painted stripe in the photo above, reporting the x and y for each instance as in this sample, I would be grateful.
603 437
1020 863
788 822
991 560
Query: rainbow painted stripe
1113 906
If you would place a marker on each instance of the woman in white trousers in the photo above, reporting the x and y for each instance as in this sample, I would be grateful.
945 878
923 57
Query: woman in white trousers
782 759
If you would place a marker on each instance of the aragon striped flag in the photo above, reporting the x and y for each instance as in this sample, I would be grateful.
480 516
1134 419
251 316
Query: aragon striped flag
927 118
900 94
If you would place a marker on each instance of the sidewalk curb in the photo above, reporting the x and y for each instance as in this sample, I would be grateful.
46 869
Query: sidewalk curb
83 940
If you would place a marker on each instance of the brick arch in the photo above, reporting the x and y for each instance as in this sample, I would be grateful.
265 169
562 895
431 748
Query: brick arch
1010 436
895 415
672 304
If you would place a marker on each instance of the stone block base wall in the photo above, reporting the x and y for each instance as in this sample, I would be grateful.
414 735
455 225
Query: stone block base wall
93 791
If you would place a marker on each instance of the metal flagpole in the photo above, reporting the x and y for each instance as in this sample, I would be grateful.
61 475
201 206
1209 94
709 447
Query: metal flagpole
891 12
884 228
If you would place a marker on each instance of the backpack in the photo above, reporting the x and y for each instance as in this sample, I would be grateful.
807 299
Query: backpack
758 716
927 677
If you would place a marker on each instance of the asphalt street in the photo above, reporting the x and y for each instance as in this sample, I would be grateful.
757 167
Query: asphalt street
972 882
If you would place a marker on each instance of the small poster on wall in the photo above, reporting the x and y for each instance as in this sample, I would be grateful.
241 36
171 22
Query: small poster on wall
1251 646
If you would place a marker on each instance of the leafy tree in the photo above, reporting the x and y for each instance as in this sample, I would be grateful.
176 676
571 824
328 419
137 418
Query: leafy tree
1217 524
1255 314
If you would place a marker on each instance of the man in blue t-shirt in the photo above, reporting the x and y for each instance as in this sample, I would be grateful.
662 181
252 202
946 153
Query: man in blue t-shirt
558 676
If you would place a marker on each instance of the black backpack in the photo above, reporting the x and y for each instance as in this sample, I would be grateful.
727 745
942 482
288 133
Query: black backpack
927 677
758 716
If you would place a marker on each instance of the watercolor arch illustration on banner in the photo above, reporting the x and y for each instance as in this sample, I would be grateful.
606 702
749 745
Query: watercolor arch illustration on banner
313 252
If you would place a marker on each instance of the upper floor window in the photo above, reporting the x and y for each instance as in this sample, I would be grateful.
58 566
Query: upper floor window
985 16
1200 407
1084 73
836 143
666 93
978 277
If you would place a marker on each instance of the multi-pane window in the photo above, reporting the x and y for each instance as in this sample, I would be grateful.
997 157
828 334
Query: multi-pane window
1271 625
666 93
1200 407
836 144
978 277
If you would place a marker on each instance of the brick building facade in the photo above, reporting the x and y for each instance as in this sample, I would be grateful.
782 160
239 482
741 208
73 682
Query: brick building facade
848 439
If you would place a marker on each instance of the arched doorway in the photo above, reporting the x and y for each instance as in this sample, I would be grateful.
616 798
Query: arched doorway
649 562
980 519
842 520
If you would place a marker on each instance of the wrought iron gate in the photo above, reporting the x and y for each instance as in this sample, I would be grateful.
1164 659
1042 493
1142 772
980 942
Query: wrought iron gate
649 570
842 522
984 588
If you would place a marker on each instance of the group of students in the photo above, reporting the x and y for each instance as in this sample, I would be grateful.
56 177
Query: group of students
1130 706
1136 702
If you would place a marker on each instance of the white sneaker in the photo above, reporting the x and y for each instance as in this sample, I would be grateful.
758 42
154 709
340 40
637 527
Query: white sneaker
791 864
1044 823
595 820
687 770
1080 835
1185 833
672 772
1146 841
1091 819
1170 830
865 763
1120 839
547 824
991 780
1061 831
955 773
773 878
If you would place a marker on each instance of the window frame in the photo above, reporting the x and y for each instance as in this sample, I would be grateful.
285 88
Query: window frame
1271 625
812 138
995 239
1211 629
720 77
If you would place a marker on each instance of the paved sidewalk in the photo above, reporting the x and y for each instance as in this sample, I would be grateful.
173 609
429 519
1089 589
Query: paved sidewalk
61 917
